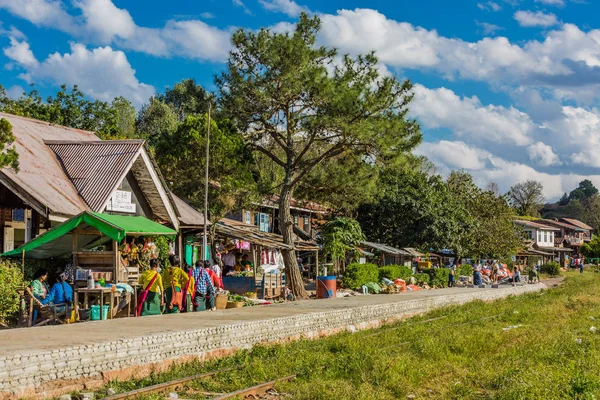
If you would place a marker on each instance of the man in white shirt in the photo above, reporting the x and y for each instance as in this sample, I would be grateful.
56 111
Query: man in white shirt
228 262
216 268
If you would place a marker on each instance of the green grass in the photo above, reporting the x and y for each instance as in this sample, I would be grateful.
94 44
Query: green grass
465 355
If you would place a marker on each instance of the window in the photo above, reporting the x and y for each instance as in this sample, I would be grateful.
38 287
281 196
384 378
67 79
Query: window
539 236
296 220
547 235
247 219
18 215
306 224
530 235
262 221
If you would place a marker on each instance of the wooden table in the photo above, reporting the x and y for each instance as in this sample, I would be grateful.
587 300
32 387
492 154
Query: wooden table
101 292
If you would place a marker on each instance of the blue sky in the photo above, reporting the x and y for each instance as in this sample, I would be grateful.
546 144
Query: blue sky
507 90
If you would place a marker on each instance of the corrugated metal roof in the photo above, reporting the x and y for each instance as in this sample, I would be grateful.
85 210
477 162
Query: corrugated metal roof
188 215
551 222
577 223
96 167
386 249
40 177
536 225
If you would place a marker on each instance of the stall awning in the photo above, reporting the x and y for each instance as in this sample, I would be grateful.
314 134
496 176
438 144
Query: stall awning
57 241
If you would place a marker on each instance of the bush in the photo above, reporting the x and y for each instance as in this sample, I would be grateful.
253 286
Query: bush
552 268
437 276
11 278
357 275
394 272
465 270
422 278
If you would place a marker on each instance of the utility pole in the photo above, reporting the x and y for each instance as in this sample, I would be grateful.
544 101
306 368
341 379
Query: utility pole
204 237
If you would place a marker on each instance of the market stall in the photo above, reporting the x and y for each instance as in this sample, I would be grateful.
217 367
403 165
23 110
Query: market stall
108 253
263 249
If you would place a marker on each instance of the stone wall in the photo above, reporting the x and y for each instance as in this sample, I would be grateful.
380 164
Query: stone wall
89 366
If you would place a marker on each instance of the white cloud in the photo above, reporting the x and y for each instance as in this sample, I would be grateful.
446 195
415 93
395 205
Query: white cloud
288 7
538 18
489 6
563 61
488 29
105 20
455 155
198 40
14 92
468 118
19 52
542 154
102 73
207 15
486 167
47 13
240 3
559 3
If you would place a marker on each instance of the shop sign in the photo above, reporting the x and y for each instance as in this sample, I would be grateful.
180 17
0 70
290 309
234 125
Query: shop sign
121 202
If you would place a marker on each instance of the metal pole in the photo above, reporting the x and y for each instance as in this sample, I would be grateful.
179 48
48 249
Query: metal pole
204 238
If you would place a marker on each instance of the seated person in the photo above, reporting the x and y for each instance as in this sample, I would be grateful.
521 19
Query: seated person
246 263
39 286
477 280
61 292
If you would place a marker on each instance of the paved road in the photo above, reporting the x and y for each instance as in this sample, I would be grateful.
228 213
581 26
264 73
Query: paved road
26 340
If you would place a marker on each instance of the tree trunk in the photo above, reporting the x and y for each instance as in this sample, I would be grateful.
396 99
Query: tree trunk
286 226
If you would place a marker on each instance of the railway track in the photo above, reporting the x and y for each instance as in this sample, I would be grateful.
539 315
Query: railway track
253 392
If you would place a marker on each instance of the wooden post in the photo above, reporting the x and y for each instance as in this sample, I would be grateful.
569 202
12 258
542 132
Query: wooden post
316 264
116 261
23 263
74 251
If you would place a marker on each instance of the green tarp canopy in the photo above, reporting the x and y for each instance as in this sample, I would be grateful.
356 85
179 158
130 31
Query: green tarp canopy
58 241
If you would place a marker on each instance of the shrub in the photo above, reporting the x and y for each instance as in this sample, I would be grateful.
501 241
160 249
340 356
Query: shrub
465 270
357 275
394 272
552 268
437 276
11 278
422 278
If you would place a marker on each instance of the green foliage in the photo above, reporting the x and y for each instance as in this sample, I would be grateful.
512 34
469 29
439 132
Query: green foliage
186 98
71 108
155 120
357 275
423 278
126 115
527 197
395 272
552 268
586 189
341 238
181 158
303 107
541 359
11 278
417 208
464 270
162 244
591 249
52 265
8 154
414 209
437 276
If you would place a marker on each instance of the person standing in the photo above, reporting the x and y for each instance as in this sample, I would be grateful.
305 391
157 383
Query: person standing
580 266
228 262
204 291
214 278
175 280
451 274
152 283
